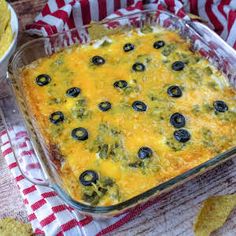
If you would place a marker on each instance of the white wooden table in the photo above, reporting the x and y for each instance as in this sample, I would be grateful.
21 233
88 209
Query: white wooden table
11 204
175 212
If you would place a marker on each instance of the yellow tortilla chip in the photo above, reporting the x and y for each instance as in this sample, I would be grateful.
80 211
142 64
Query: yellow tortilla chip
5 40
195 17
97 30
4 16
6 35
10 227
213 214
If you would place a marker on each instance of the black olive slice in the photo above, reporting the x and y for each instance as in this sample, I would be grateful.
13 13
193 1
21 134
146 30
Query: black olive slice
159 44
220 106
174 91
178 66
104 106
120 84
138 67
182 135
128 47
43 79
139 106
98 60
56 117
80 134
177 120
145 152
88 177
73 92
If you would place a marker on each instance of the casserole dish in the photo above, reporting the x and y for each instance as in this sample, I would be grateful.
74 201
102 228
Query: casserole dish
31 52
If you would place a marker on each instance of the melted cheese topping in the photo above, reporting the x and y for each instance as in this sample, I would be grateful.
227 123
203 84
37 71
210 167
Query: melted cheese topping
116 136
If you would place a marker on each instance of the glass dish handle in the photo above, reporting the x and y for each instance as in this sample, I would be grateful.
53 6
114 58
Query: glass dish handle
30 166
32 172
213 40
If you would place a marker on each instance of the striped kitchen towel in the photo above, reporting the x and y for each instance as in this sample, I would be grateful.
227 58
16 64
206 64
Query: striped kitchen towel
60 15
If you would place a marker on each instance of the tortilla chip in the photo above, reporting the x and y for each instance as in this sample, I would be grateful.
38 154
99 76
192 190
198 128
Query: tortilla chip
195 17
10 227
4 16
6 35
213 214
97 30
5 40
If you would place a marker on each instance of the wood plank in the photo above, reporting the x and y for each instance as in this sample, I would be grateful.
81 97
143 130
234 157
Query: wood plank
27 10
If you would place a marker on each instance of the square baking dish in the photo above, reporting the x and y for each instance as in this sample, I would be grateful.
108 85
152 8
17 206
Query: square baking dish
202 39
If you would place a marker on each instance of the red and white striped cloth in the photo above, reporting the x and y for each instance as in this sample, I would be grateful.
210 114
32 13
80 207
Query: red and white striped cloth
48 214
60 15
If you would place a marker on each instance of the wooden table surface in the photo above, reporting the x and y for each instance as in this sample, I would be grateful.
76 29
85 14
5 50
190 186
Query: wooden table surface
175 212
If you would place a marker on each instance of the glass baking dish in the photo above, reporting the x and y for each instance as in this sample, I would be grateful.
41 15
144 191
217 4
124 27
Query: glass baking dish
14 108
